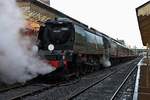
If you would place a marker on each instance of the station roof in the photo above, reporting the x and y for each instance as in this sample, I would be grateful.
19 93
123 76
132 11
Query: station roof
143 15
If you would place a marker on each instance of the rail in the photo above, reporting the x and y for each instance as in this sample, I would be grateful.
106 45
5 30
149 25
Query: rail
78 92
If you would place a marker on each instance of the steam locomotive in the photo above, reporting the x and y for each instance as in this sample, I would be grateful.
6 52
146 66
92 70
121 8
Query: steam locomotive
73 47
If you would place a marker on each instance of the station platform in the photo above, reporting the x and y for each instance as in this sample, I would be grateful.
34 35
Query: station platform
142 87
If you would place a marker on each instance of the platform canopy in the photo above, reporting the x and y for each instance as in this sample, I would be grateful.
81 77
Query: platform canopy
143 15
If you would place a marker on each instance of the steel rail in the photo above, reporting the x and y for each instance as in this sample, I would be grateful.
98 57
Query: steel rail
73 95
127 77
46 87
18 97
14 87
76 93
70 97
9 88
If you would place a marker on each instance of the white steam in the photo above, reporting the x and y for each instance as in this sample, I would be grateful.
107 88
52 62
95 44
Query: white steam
105 62
17 64
105 59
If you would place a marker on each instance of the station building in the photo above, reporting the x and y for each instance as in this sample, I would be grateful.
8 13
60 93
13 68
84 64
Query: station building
38 11
35 12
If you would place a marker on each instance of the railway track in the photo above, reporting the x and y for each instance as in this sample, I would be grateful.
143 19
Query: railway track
77 93
84 85
29 91
123 83
18 92
46 87
7 88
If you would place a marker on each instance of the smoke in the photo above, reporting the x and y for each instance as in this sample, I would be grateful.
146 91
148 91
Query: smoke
17 64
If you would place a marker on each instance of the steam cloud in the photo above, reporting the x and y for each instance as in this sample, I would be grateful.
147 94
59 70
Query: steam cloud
17 64
105 61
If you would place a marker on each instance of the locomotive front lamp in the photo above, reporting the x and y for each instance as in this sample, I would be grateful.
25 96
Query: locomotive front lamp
50 47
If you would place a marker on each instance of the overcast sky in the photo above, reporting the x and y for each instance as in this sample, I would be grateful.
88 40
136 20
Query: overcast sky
116 18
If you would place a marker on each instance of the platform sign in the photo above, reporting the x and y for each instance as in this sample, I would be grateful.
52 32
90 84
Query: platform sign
45 1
